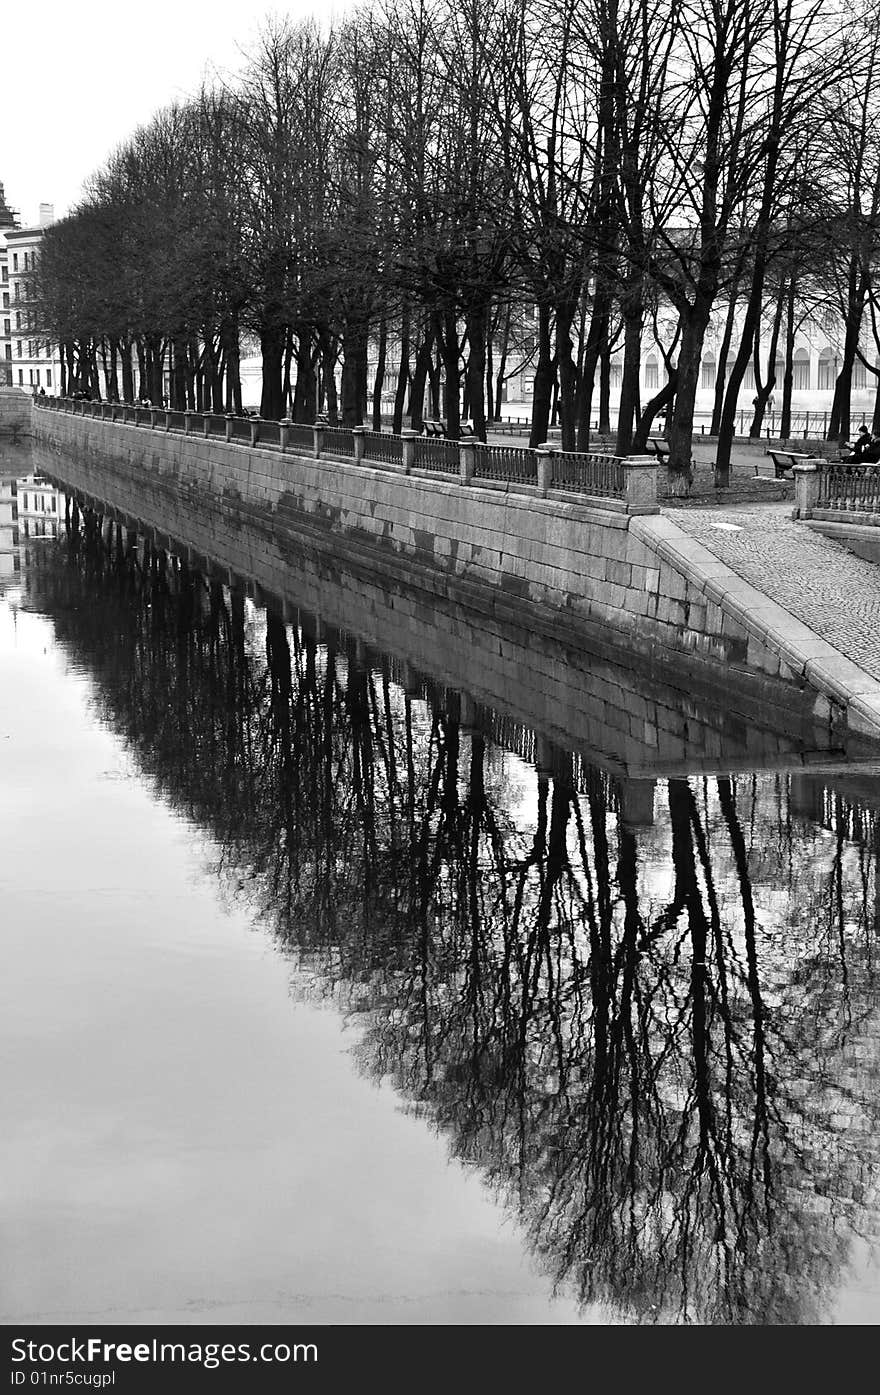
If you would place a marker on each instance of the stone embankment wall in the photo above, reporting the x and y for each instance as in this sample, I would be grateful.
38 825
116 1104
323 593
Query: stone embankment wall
561 568
15 412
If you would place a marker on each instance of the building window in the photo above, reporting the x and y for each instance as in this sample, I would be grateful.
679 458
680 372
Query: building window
15 261
21 377
7 328
652 373
5 274
38 378
748 381
9 351
48 377
859 376
5 300
827 370
616 375
528 386
18 319
18 343
800 371
708 376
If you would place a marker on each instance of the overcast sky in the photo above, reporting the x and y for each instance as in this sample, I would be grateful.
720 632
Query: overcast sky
75 82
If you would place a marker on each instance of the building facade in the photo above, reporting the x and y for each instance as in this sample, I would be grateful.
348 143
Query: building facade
34 360
8 221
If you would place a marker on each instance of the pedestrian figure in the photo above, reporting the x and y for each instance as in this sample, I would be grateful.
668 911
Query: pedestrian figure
862 443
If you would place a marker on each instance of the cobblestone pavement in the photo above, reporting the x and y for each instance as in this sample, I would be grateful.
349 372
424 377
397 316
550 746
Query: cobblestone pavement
815 578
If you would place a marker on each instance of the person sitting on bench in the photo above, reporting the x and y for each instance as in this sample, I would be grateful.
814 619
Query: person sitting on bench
862 445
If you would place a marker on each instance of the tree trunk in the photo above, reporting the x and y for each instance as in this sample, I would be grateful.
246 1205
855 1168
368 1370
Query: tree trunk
597 335
490 379
628 411
788 376
127 374
380 374
402 373
272 349
477 320
328 369
721 366
353 374
449 350
142 388
605 389
763 393
178 376
288 360
681 427
113 382
661 399
567 373
305 392
542 392
502 362
420 378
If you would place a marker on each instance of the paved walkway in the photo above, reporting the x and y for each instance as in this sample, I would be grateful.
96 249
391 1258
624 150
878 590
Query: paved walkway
815 578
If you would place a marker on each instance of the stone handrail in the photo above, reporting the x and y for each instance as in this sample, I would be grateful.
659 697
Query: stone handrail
832 486
607 480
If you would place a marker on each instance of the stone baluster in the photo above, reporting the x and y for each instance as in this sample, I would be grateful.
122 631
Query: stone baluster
318 435
358 434
229 420
284 433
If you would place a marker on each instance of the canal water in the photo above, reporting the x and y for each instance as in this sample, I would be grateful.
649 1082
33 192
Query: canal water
331 996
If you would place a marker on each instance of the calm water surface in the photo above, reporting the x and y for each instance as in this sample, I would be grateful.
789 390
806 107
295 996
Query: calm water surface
319 1004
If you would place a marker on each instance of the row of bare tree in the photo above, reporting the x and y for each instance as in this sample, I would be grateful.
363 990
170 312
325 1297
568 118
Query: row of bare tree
465 183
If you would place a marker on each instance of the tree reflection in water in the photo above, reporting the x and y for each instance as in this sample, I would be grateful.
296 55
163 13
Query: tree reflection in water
659 1046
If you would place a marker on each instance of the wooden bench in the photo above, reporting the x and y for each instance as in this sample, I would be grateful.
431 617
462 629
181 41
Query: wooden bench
433 428
658 448
783 463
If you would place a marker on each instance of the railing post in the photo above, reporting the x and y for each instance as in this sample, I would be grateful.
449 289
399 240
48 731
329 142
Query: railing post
284 433
187 421
409 438
544 458
318 438
640 483
358 435
229 420
206 423
167 418
154 417
134 417
255 430
806 488
467 459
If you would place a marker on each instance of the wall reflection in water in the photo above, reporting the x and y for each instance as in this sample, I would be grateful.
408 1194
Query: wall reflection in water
658 1043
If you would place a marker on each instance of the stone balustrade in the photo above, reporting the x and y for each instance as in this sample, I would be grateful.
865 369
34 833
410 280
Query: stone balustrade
628 484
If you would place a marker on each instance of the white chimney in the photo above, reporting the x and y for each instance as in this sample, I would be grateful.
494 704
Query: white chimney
47 215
